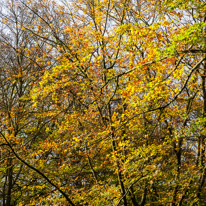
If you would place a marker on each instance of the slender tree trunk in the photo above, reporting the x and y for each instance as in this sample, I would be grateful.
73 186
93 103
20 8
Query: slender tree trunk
119 174
9 175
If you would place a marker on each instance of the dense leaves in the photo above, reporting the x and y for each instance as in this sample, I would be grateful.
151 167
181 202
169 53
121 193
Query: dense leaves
103 102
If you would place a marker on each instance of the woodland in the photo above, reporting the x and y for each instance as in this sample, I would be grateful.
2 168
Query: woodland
103 102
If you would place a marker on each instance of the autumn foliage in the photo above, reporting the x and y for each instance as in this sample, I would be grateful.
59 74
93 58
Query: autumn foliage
103 102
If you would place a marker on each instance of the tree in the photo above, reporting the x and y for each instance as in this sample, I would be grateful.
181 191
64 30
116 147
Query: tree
114 107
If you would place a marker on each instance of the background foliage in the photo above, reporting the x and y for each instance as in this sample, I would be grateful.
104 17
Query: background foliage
103 102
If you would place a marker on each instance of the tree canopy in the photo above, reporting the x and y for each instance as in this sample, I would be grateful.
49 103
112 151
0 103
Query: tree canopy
103 102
